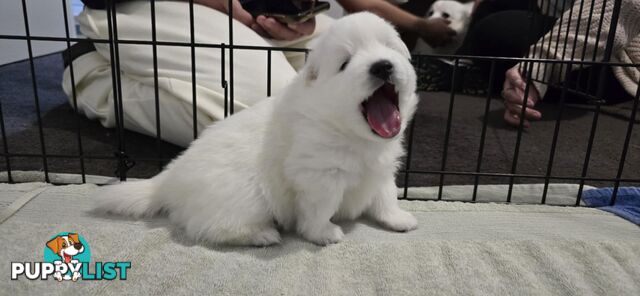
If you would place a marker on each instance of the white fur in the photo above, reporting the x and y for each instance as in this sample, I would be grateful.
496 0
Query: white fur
459 14
301 160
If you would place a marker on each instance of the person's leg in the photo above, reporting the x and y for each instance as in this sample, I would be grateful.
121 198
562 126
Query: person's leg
174 68
489 7
583 85
94 91
504 34
613 92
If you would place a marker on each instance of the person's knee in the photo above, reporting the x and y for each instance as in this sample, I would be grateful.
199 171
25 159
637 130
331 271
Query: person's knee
501 34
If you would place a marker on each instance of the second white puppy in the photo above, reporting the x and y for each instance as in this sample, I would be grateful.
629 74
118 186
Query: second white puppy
326 149
459 16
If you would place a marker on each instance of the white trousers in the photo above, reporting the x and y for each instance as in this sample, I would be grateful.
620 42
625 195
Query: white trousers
93 79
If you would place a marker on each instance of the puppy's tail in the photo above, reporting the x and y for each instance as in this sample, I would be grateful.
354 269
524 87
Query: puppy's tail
133 199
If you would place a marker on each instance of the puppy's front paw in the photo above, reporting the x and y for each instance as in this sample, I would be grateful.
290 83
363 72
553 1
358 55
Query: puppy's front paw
330 234
399 220
266 237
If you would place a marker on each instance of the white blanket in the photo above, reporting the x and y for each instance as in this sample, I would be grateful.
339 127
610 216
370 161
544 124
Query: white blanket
459 249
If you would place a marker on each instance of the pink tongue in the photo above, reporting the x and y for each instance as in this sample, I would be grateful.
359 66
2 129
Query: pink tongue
383 115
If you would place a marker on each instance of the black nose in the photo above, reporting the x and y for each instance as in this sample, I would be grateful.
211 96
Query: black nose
77 246
381 69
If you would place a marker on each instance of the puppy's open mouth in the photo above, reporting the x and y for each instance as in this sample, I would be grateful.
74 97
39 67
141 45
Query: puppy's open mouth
382 112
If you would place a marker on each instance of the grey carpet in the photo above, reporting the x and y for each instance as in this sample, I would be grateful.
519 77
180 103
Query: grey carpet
60 126
458 249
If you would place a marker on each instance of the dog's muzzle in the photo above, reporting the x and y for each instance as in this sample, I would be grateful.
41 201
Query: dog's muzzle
381 109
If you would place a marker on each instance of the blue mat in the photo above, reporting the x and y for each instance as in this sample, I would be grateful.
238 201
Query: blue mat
627 203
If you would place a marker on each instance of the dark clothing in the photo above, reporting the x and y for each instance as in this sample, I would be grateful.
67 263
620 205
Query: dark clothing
503 28
585 81
99 4
507 28
85 46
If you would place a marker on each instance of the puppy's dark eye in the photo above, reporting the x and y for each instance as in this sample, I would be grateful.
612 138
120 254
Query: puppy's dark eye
445 15
430 13
344 65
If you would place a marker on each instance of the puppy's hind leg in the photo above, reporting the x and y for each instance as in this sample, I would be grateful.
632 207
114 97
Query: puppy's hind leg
318 199
241 221
384 209
257 235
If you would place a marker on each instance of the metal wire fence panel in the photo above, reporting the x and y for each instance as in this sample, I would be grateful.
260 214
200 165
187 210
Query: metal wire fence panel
446 143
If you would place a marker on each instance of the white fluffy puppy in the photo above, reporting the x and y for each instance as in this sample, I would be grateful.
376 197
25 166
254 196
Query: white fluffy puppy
459 14
326 149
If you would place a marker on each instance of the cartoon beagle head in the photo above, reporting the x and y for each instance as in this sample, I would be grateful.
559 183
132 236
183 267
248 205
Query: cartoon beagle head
66 246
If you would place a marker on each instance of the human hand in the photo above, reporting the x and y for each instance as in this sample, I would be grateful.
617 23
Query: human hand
436 32
264 26
271 28
513 93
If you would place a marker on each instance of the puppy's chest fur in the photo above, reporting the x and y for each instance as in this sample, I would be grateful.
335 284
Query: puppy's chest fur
316 147
299 150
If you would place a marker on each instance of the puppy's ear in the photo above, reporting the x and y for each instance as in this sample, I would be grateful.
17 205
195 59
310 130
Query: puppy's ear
311 68
400 47
469 8
55 244
74 237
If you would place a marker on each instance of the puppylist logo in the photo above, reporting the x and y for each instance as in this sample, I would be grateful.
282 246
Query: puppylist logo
67 256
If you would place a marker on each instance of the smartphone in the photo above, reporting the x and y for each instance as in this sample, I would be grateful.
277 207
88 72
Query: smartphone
285 11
